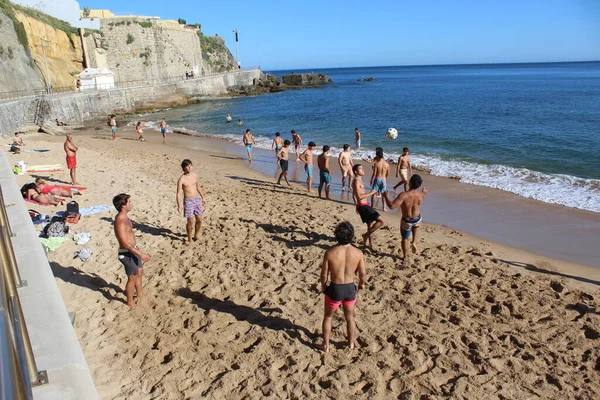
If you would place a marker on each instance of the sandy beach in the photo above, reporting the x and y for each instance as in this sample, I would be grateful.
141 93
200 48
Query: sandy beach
238 314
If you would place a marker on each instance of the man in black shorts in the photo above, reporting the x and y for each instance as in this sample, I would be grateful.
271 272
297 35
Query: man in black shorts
129 255
282 156
368 214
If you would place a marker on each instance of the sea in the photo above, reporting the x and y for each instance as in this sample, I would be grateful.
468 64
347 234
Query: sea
529 129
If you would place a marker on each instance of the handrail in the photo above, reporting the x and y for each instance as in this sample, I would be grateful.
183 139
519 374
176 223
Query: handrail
8 257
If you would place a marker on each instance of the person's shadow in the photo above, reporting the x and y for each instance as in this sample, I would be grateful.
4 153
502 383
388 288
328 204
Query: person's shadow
533 268
50 179
91 281
255 316
313 238
152 230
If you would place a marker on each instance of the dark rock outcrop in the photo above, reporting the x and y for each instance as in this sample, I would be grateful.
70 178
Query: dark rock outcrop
306 79
370 79
268 83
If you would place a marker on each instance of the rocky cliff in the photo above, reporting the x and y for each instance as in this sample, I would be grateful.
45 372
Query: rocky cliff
216 54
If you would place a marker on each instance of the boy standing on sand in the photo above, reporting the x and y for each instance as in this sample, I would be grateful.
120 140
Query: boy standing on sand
163 130
129 255
410 204
340 264
357 138
368 215
324 174
297 140
71 150
193 199
277 144
345 163
248 142
113 126
282 156
381 170
404 167
139 131
307 159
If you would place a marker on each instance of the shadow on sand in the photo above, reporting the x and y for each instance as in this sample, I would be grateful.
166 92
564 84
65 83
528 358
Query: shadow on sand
152 230
533 268
312 238
50 179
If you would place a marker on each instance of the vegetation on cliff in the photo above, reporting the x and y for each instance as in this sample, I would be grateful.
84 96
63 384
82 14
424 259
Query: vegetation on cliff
8 9
47 19
215 53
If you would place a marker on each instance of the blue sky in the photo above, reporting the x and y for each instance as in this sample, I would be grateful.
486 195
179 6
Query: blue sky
332 33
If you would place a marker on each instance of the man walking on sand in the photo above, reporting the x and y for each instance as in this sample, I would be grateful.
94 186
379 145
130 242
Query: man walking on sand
297 140
282 156
307 159
71 150
381 170
410 204
404 168
340 265
129 255
324 174
113 126
345 163
368 215
248 142
193 199
163 130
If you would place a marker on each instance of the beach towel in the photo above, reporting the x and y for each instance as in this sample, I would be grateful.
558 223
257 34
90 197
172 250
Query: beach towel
35 150
94 210
53 243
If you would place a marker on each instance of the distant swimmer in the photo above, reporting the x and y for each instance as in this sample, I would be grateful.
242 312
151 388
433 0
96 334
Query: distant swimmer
297 140
129 254
357 140
240 122
324 172
112 122
307 159
368 215
340 265
345 163
410 204
228 118
404 168
193 200
381 170
163 129
248 142
139 131
277 144
282 156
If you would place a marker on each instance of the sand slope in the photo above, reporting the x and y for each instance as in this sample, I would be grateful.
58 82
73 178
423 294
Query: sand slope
236 315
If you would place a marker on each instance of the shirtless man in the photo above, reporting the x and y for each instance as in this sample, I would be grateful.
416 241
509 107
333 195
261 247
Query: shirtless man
71 150
404 168
357 138
248 142
368 215
282 156
163 130
381 170
410 204
277 144
15 147
345 163
228 118
324 174
297 140
113 126
129 255
340 265
307 159
192 204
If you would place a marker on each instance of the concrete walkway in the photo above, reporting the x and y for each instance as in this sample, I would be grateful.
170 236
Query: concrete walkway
55 345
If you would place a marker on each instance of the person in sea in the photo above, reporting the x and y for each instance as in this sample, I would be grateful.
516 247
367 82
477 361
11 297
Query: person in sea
129 254
410 204
381 170
368 214
357 138
71 152
282 156
297 140
112 122
139 131
228 118
43 188
30 192
163 130
277 144
193 200
15 147
248 142
307 159
340 265
404 168
240 122
345 163
324 173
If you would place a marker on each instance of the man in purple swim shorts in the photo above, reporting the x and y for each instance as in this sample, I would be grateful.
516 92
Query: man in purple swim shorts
193 199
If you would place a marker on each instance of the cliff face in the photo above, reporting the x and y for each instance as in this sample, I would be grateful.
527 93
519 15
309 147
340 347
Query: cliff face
216 54
17 72
63 51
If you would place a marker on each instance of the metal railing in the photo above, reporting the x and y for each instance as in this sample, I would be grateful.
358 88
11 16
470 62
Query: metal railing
19 94
18 369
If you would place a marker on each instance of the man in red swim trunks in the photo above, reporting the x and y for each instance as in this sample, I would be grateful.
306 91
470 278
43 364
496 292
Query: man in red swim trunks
340 264
71 150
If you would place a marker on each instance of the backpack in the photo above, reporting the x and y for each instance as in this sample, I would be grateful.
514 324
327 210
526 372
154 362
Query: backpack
56 227
72 208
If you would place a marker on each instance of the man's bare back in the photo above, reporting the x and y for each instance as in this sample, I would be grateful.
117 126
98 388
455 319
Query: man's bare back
381 169
343 262
323 162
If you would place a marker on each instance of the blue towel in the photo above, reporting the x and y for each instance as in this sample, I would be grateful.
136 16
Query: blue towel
88 210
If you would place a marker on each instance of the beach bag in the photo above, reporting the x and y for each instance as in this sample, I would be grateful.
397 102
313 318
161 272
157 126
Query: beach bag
56 228
34 215
72 208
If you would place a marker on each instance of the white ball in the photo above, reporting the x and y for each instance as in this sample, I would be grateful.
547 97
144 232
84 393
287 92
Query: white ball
392 133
